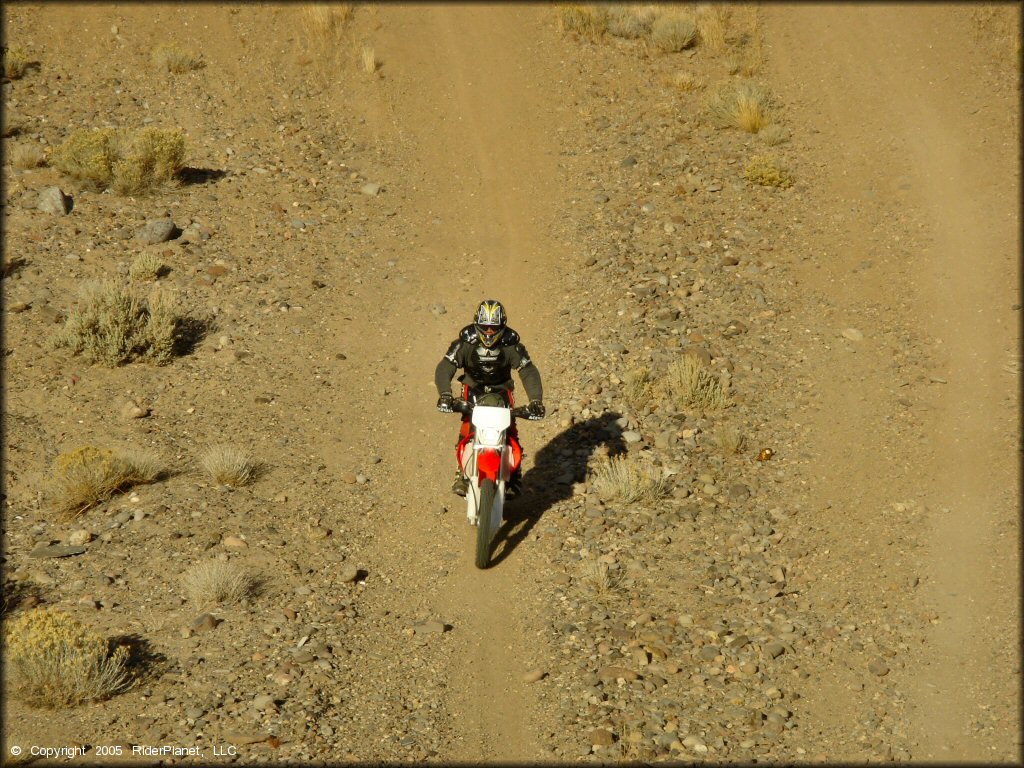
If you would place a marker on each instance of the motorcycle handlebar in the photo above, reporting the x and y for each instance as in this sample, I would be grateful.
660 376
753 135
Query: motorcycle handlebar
461 406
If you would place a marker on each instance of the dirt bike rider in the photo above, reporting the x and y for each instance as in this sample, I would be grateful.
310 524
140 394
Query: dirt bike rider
487 350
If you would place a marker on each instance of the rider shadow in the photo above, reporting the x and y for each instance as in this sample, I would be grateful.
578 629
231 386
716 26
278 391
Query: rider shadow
559 464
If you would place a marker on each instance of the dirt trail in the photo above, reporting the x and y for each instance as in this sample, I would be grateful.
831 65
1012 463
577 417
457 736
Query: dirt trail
914 137
476 196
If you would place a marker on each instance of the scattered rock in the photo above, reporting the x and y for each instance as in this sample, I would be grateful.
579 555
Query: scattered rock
56 550
853 334
234 542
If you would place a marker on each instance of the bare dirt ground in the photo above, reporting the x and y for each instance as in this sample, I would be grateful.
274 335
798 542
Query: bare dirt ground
855 598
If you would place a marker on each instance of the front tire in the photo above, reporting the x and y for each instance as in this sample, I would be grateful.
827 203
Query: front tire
483 522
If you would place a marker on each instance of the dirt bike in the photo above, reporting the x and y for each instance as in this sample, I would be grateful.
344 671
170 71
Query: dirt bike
488 460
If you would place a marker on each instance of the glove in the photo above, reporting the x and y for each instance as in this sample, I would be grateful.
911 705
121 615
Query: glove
445 403
536 409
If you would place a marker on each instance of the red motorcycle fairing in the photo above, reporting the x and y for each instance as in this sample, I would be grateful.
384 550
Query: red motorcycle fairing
488 462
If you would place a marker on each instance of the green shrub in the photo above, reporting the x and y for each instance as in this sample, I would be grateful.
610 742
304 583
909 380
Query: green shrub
130 162
113 326
673 32
54 661
763 170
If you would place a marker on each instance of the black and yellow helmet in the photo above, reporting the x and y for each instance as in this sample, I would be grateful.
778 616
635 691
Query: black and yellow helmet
490 322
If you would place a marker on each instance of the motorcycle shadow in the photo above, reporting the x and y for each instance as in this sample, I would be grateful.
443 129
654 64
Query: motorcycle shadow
558 465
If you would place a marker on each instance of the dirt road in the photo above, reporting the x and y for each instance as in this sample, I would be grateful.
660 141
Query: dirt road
912 141
478 196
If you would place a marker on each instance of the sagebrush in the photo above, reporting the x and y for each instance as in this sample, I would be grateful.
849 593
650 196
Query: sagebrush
672 32
113 325
636 387
590 21
628 479
127 161
54 661
766 171
87 476
15 63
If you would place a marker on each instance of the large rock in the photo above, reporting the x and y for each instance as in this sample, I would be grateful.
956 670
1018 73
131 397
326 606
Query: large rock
156 231
52 200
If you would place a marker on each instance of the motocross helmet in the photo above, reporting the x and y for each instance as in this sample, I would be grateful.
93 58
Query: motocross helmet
490 322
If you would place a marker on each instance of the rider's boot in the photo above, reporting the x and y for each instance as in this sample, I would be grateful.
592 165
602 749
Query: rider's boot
515 484
461 484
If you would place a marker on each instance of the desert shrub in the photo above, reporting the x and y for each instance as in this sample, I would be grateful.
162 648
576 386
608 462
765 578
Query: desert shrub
88 476
588 20
729 439
28 156
629 22
217 581
54 661
689 383
672 32
228 465
743 104
624 478
636 387
773 134
15 62
174 58
129 162
764 170
145 266
711 24
113 326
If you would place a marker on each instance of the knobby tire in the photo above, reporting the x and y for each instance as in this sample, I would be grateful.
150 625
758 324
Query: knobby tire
483 526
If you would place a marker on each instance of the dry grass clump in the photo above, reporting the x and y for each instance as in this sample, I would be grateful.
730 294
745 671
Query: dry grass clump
145 266
764 170
711 24
729 439
630 21
636 387
28 156
15 63
689 383
218 581
54 661
602 582
114 326
773 135
174 58
130 162
743 104
672 32
684 81
323 22
624 478
590 21
369 59
229 465
88 476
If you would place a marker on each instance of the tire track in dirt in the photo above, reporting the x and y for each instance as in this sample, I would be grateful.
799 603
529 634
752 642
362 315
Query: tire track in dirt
878 80
480 186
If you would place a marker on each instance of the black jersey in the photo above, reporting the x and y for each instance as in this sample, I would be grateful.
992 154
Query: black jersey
491 368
